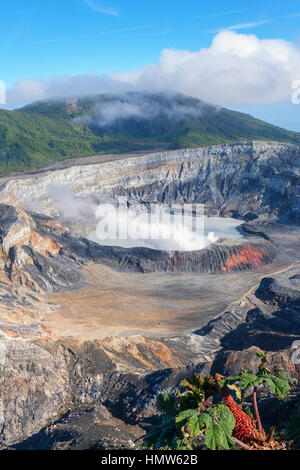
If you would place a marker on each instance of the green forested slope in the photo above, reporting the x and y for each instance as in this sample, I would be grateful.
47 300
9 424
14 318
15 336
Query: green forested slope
46 132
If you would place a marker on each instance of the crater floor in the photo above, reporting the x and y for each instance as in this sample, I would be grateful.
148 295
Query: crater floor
156 304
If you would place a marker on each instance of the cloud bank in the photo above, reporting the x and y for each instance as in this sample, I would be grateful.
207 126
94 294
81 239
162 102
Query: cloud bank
236 70
142 106
28 90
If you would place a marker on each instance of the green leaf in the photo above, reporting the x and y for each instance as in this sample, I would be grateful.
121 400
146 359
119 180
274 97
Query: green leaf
262 357
198 389
220 424
279 383
184 415
195 425
166 403
249 379
278 386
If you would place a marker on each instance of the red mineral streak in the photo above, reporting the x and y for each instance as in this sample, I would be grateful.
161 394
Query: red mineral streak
248 255
46 330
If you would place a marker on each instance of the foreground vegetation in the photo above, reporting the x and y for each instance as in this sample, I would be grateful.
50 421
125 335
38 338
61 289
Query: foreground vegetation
47 132
214 413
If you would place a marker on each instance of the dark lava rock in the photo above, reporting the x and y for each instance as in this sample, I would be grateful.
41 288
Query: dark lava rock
282 291
84 427
8 216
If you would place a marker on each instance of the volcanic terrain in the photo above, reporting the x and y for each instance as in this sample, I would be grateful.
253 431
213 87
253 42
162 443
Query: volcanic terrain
91 334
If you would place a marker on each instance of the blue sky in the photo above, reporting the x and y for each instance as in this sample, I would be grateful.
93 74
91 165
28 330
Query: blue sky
42 39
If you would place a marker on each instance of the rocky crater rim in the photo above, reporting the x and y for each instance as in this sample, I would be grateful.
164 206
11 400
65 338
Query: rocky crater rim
187 153
85 180
254 181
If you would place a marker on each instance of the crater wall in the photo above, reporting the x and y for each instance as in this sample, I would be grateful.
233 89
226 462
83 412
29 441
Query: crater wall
251 177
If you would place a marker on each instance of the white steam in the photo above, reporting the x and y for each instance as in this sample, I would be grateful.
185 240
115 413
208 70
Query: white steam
64 203
160 230
145 106
175 228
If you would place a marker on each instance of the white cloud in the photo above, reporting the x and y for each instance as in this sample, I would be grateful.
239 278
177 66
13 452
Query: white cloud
99 7
142 106
236 70
28 90
235 27
223 13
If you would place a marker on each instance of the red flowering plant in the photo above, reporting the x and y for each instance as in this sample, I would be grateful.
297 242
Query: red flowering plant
191 420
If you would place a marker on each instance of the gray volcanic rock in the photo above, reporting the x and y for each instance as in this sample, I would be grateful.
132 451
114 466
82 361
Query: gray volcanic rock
281 291
228 362
31 258
53 273
44 380
8 216
270 323
256 178
84 427
212 259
